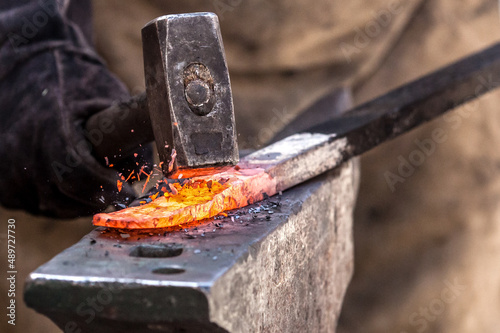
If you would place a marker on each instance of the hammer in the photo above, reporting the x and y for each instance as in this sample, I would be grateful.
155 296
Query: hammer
187 108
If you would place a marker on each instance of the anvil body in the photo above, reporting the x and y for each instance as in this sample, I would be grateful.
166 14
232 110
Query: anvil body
281 265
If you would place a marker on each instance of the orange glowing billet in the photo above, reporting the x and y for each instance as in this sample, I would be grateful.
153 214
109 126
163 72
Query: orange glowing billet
204 195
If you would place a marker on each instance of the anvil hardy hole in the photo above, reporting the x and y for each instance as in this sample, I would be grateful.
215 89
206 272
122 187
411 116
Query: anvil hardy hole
168 270
156 251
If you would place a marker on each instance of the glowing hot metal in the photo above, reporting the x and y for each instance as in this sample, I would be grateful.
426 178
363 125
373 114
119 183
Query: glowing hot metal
265 172
200 198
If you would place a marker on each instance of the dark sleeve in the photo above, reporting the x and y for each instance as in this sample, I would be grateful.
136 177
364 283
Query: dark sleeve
51 81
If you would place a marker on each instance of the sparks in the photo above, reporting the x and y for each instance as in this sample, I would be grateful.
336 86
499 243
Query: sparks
147 180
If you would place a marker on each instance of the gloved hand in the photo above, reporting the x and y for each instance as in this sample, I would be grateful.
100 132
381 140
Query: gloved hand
51 81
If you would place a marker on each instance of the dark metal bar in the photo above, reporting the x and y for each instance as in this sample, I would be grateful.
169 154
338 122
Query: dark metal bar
417 102
303 156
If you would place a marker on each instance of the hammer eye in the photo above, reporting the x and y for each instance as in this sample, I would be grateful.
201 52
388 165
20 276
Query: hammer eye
199 89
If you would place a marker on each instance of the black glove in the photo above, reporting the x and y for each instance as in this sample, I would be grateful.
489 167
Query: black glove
51 81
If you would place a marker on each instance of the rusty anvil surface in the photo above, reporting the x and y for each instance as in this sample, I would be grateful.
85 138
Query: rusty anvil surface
275 266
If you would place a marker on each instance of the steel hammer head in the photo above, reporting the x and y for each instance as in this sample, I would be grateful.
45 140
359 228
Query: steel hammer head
188 92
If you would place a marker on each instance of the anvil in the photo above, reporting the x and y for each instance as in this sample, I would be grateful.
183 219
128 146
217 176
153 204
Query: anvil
277 265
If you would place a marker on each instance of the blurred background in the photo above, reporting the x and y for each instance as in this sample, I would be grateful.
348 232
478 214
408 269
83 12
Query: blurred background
416 240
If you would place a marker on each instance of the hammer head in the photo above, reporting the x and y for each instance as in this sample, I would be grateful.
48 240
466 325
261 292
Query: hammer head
188 91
